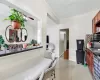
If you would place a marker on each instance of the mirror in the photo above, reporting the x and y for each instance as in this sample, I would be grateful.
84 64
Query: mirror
7 33
18 35
24 34
12 35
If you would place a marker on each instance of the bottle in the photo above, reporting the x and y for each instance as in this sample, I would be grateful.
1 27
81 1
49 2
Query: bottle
89 44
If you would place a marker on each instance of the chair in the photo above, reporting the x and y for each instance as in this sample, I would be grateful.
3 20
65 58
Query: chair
41 76
49 73
51 47
49 53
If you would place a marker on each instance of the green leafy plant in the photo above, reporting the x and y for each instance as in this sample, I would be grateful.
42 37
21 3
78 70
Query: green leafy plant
33 41
1 41
16 16
5 45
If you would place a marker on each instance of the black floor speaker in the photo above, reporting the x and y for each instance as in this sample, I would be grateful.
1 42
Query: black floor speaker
80 56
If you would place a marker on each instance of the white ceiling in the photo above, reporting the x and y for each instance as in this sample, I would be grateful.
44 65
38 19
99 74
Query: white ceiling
69 8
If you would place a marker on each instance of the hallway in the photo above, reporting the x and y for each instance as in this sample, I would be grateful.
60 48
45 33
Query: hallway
68 70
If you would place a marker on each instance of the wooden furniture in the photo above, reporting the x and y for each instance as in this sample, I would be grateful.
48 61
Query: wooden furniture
96 23
89 60
66 54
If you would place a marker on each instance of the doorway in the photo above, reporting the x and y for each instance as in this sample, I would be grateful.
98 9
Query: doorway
64 43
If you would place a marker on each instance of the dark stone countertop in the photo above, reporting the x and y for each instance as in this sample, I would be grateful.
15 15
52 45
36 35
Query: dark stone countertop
19 51
95 51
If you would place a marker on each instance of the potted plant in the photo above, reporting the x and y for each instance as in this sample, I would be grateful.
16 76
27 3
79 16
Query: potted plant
1 41
5 46
16 19
34 42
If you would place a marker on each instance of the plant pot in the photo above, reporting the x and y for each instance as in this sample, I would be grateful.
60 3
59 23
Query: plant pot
33 44
25 46
16 24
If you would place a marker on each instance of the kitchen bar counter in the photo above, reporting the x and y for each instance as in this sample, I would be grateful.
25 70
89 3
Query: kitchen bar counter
8 52
93 62
96 52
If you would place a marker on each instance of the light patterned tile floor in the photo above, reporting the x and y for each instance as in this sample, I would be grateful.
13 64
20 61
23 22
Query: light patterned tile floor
68 70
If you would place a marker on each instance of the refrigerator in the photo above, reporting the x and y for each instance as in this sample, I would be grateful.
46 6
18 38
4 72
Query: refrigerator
80 51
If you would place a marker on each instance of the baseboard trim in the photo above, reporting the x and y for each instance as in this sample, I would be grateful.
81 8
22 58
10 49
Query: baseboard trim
61 54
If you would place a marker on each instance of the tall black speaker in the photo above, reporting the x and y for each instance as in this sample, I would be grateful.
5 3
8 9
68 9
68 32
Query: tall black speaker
80 44
47 41
80 51
80 56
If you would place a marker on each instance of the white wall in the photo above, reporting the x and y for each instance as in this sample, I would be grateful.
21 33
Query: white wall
53 32
79 26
